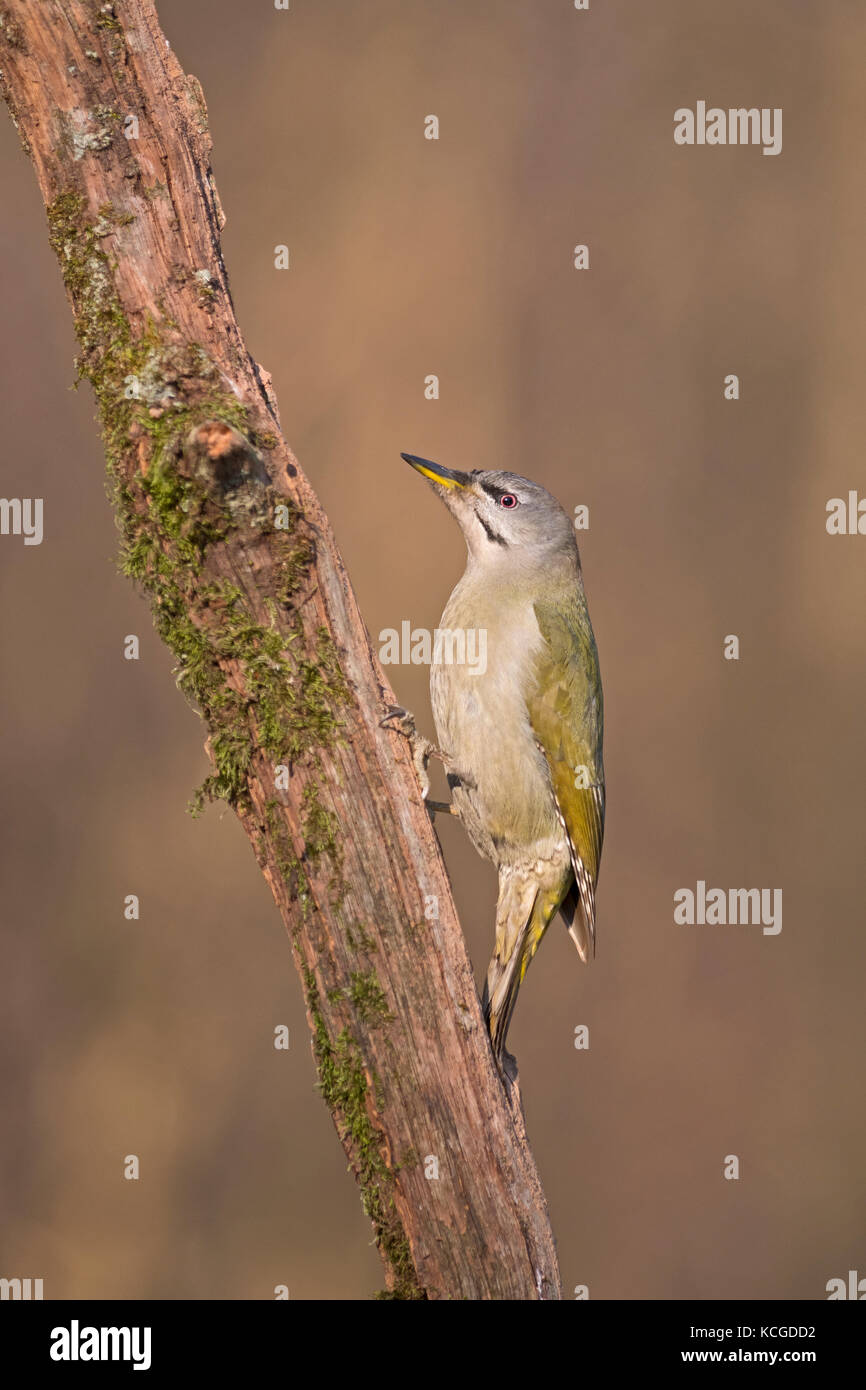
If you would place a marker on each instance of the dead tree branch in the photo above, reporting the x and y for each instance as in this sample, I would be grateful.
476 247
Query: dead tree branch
222 530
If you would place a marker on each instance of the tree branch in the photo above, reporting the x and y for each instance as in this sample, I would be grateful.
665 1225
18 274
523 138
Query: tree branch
222 530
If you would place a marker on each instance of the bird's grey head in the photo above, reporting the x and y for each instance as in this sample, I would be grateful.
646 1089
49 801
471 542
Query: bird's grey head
504 517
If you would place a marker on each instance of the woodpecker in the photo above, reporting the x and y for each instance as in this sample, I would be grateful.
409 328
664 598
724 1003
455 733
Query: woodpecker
521 739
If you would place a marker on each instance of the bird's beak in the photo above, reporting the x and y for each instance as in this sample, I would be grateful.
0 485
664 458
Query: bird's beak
445 477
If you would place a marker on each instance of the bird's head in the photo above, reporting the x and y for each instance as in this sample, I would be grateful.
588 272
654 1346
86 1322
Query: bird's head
504 517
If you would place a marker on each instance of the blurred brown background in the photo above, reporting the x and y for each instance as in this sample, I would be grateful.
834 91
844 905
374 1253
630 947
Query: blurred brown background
412 257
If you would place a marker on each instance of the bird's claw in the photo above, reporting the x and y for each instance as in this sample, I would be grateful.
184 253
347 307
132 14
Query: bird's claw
403 722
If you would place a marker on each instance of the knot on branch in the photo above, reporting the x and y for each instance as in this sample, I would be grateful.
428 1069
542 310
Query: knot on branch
230 469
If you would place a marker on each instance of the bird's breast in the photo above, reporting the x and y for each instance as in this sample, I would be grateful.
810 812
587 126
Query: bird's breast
499 777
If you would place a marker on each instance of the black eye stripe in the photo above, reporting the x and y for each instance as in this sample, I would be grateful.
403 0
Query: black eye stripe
497 493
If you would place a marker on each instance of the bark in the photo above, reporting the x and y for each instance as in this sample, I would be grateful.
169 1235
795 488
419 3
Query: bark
222 530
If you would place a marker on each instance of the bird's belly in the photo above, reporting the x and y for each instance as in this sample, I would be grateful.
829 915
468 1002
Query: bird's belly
499 780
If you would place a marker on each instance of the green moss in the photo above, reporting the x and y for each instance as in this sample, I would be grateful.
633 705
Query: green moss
359 938
294 703
323 694
146 384
344 1086
153 391
295 558
321 828
106 18
289 865
368 998
100 324
108 214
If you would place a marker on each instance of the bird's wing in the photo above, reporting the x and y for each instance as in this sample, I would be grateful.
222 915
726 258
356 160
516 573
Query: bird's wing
564 702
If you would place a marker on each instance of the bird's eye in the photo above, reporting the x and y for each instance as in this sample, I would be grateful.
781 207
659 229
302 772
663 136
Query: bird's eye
508 500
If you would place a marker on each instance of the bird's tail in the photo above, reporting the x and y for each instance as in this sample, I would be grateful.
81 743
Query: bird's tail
579 917
523 914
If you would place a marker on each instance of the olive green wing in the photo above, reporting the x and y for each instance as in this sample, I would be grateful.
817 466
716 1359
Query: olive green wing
566 714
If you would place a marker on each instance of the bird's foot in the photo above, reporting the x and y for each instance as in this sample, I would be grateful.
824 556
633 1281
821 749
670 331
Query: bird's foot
403 722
